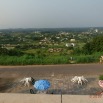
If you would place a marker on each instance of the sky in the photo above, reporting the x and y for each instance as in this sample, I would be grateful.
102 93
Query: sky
51 13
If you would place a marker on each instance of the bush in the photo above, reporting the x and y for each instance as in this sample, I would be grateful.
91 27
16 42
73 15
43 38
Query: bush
101 77
14 52
84 59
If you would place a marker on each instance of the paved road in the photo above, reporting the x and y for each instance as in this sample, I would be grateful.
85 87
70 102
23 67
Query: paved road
41 70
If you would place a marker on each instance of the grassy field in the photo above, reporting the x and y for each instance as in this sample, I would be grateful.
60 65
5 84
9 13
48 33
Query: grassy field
28 59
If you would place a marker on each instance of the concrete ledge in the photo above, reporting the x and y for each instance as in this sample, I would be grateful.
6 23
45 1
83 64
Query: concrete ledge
45 98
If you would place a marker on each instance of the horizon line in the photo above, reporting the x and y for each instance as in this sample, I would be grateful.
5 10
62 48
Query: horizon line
53 27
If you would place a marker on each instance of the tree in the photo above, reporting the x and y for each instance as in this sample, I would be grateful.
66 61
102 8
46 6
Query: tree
14 52
3 51
96 45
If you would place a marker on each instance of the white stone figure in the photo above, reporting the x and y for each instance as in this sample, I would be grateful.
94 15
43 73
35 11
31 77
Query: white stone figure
101 59
79 79
75 79
26 81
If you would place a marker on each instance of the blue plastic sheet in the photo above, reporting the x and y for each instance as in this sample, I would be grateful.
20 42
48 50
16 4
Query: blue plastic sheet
42 85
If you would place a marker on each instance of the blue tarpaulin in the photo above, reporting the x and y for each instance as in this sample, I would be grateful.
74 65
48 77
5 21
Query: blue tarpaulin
42 85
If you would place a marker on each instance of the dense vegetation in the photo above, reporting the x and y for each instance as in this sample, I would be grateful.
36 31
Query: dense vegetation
101 77
28 47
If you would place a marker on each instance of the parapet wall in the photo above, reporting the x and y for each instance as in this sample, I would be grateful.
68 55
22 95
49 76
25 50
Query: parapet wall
45 98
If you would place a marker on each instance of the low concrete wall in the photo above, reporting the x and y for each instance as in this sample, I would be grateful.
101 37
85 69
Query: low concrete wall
45 98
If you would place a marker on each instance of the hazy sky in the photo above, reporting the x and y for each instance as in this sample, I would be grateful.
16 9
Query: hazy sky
50 13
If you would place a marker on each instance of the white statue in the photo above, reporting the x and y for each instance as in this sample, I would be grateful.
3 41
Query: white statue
79 80
26 81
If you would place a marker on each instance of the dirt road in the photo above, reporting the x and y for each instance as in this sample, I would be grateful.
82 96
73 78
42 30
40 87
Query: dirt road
42 70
